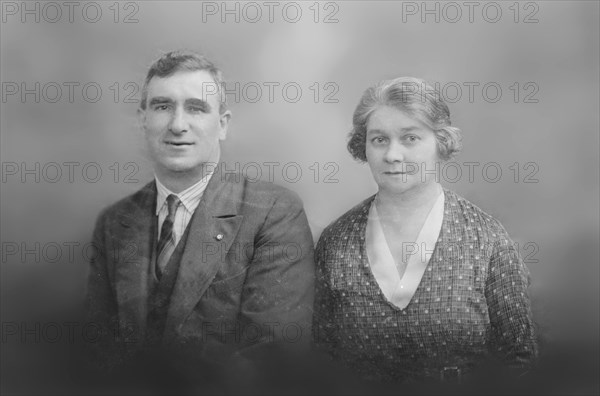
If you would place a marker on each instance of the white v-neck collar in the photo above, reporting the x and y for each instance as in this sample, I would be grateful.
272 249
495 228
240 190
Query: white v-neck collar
400 291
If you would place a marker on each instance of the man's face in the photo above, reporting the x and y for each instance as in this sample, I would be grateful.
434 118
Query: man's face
182 124
401 151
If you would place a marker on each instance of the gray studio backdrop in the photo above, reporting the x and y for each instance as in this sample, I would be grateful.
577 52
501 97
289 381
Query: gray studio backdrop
521 80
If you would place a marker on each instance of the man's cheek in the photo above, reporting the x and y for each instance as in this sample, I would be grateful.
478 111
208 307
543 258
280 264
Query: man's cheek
156 121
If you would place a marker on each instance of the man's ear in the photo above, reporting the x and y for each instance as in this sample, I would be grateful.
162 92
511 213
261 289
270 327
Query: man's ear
141 118
224 122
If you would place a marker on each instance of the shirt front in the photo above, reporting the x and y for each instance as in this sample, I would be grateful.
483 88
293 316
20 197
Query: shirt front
190 198
399 291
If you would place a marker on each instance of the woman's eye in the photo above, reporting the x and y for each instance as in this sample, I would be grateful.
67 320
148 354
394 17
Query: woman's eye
379 140
412 138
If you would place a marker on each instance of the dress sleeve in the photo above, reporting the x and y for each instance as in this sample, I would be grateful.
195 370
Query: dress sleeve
324 329
513 338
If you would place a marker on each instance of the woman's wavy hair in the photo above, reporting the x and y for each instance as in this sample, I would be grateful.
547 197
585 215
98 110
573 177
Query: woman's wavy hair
415 97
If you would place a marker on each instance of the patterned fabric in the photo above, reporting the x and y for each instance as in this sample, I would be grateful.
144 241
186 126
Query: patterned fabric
190 198
166 243
471 304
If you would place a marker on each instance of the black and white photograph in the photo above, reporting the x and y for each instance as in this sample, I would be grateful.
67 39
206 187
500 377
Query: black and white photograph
300 197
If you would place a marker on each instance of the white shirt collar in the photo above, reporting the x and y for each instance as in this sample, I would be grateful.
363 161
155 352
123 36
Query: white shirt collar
399 291
190 197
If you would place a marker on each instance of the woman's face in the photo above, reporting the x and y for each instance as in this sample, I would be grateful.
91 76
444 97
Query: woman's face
401 151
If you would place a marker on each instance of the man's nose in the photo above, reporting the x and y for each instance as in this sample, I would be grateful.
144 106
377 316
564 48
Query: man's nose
394 152
178 122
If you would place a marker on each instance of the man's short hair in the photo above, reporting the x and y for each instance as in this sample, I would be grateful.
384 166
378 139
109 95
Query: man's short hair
176 61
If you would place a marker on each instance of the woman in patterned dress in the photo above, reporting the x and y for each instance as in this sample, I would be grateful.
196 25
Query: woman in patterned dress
417 283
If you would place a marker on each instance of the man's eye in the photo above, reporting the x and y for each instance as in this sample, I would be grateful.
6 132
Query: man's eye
196 109
161 107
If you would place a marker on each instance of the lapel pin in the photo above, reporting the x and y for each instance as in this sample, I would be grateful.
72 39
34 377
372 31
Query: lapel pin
219 237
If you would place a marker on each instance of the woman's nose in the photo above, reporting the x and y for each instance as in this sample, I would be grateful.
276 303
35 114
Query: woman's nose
394 152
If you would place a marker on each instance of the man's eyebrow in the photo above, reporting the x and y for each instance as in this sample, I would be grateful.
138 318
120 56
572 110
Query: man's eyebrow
159 100
199 102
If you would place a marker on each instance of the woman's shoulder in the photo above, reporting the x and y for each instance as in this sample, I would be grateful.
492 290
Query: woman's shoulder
345 223
473 217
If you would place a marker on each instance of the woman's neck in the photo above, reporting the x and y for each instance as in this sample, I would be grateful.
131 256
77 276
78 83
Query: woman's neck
410 202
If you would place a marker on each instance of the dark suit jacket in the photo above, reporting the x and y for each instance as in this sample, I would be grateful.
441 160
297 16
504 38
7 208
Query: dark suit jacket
245 281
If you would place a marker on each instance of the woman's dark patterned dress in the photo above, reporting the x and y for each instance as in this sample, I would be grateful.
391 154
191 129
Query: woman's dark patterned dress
471 305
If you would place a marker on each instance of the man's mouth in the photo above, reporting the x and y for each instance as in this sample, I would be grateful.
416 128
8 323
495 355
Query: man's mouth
178 144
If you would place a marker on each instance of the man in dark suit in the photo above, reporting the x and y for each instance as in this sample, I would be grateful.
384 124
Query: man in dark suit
201 260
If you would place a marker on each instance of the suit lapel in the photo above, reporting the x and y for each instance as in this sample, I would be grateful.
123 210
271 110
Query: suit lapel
213 228
134 239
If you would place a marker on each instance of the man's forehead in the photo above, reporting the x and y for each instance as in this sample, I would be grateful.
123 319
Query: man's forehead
194 83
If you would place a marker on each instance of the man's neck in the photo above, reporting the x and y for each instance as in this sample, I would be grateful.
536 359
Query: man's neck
179 181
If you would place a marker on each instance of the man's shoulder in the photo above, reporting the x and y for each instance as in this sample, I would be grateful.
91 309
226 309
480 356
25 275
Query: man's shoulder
143 197
260 192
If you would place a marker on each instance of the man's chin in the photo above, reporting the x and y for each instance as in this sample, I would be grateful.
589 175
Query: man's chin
176 166
179 168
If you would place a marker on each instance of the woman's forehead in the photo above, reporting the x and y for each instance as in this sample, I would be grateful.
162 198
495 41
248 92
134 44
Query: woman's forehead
392 119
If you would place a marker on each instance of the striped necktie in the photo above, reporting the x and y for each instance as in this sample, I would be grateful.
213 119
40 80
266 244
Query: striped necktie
166 243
